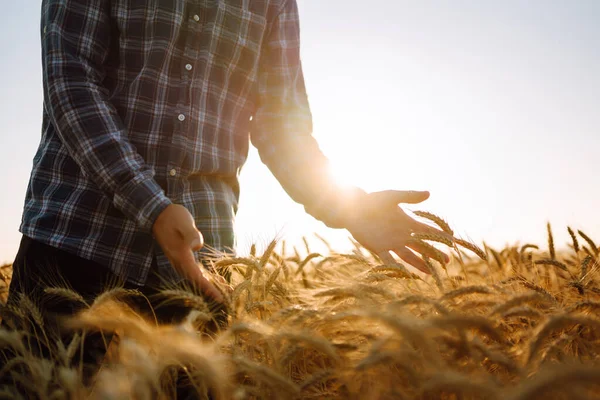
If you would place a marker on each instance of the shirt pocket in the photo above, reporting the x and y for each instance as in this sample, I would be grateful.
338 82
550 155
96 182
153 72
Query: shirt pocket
238 36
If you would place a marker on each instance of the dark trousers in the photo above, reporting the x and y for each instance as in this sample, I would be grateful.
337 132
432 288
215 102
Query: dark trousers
38 266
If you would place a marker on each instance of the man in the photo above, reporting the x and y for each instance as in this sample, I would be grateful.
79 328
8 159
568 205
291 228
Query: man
148 110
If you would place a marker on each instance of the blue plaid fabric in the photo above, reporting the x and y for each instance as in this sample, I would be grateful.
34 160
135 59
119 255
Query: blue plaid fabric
148 103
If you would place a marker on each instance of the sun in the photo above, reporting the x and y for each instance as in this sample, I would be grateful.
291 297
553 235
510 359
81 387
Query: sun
349 165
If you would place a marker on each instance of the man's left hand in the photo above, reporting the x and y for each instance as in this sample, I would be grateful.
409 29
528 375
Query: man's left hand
381 226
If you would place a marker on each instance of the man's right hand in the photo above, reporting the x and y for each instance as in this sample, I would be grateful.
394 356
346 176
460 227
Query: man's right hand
176 233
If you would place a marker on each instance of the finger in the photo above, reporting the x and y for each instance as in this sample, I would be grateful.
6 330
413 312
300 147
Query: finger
197 242
226 288
412 259
221 282
209 288
395 197
191 236
193 272
386 257
219 279
205 285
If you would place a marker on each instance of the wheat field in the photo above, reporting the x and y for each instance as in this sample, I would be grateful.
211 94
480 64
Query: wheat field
515 323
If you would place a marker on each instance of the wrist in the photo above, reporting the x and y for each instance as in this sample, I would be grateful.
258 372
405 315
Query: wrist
343 208
355 210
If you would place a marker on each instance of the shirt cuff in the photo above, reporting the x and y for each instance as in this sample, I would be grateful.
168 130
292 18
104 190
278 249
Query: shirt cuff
142 200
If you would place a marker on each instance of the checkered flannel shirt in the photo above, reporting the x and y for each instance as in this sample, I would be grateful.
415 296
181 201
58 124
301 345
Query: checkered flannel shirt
148 103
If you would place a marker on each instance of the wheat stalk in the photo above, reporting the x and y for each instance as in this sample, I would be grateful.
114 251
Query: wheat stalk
519 300
551 242
574 239
470 246
435 272
437 220
425 248
589 241
557 322
466 290
552 262
471 322
557 378
266 374
452 382
434 238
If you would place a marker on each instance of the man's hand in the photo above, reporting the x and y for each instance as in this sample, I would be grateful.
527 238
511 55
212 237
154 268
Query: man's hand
381 226
176 233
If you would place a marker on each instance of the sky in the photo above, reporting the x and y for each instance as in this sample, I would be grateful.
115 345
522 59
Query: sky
491 106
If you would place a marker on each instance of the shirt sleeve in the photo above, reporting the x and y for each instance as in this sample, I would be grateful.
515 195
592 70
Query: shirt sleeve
76 40
281 127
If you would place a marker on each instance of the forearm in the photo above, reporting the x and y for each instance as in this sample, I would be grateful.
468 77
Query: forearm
281 128
305 174
84 118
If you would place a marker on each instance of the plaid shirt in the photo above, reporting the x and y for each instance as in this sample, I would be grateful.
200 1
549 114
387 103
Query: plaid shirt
148 103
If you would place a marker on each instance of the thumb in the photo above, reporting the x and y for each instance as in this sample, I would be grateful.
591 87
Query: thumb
192 237
394 197
198 242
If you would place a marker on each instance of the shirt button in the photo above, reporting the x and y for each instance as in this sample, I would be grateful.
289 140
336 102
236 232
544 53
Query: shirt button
181 117
196 18
188 67
173 172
